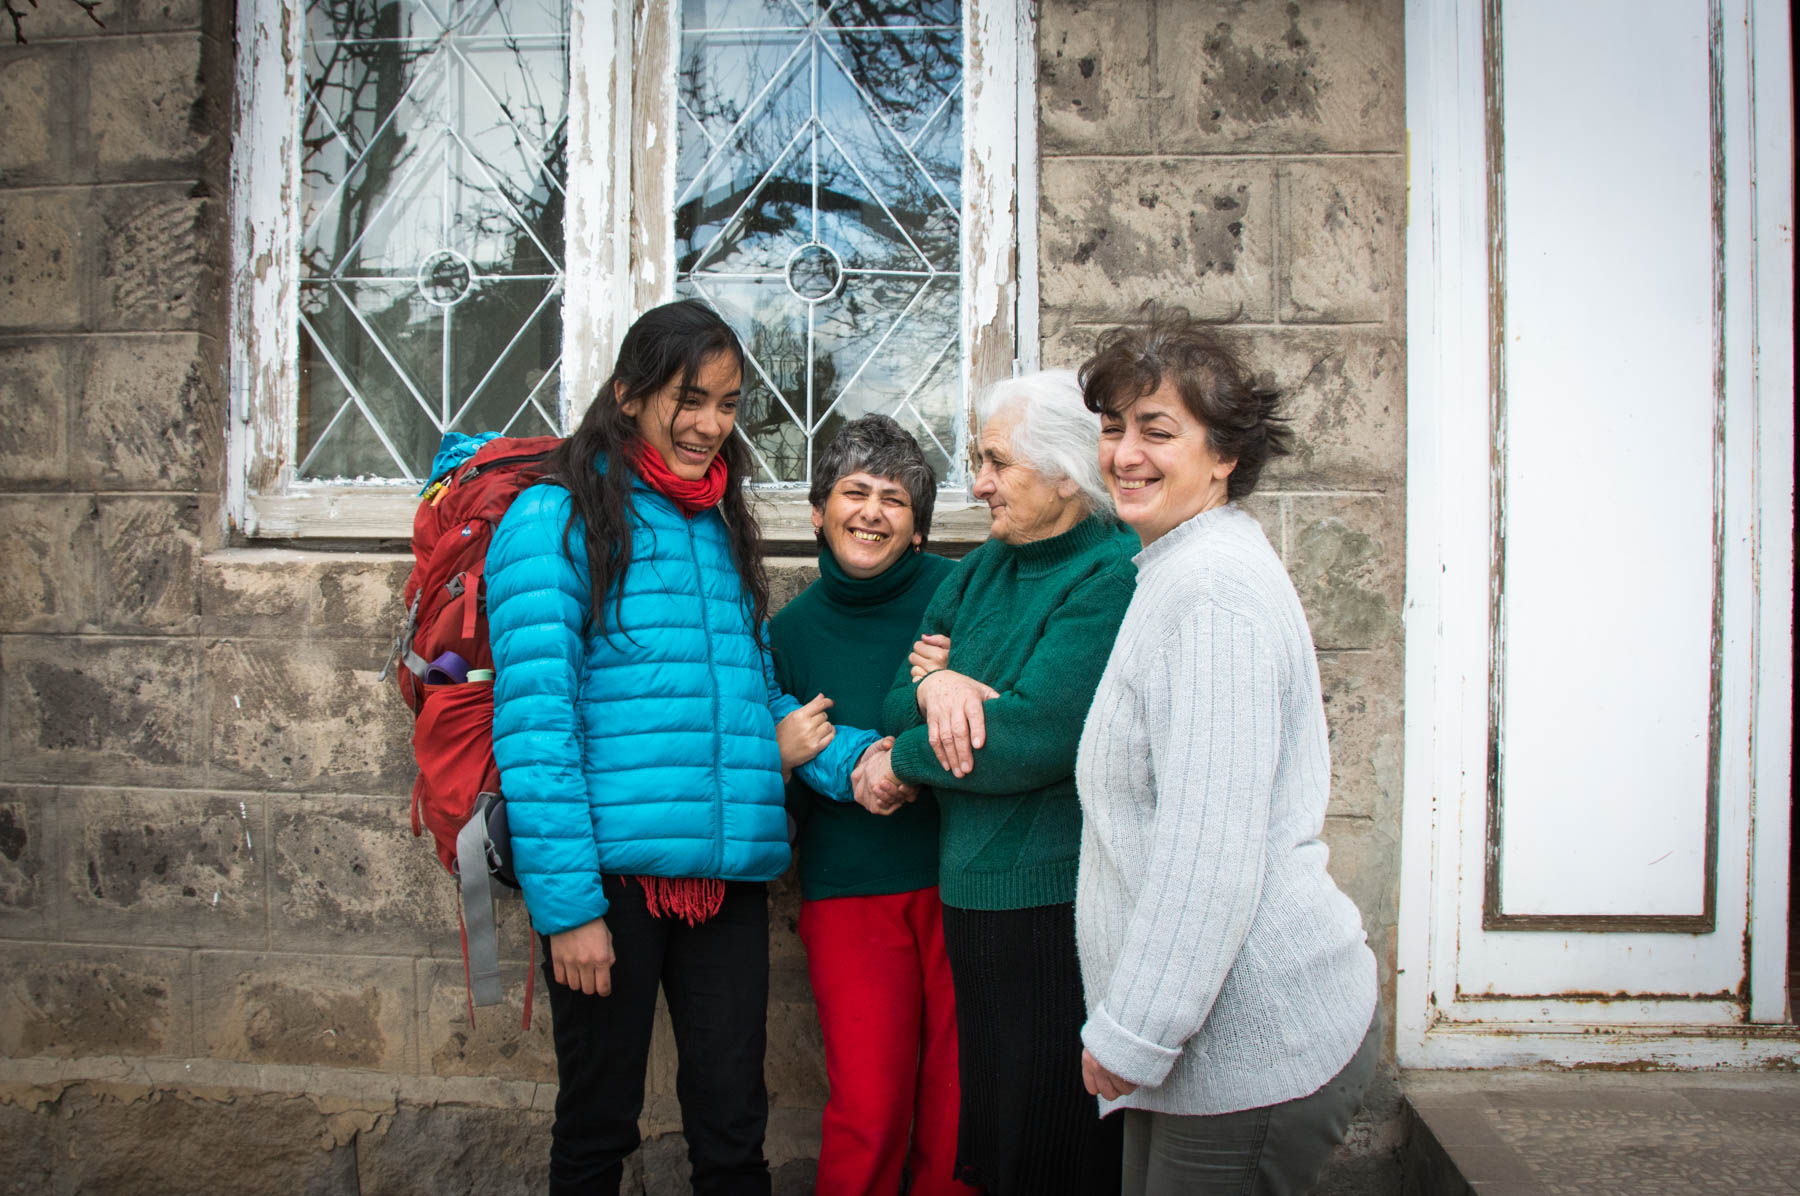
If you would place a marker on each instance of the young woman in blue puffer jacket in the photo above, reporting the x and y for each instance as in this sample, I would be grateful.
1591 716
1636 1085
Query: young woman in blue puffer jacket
635 725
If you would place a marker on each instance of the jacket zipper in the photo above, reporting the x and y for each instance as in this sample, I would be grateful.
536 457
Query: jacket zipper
712 674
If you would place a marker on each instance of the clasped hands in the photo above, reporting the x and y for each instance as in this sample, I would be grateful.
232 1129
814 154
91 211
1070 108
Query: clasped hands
951 703
955 726
878 790
806 732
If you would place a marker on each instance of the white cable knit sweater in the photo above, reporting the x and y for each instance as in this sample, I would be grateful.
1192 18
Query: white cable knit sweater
1223 968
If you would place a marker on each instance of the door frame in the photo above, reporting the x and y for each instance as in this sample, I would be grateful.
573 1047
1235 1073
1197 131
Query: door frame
1448 567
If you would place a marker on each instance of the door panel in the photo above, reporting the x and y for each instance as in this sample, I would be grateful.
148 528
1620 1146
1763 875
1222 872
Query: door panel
1590 767
1607 398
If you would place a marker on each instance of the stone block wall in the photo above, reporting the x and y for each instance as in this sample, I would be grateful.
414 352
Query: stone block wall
218 939
1247 161
112 395
216 932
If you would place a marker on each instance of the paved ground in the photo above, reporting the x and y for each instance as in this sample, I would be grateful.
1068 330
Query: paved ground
1545 1134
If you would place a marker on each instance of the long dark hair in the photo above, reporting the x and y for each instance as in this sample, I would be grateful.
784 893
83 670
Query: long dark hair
676 339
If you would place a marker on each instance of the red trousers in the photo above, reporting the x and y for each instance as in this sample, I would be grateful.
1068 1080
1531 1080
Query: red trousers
887 1007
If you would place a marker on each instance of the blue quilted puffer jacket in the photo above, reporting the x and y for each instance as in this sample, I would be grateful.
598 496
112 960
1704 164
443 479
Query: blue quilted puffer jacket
652 751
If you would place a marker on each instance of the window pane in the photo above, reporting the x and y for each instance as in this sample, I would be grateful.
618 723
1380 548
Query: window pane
434 160
819 191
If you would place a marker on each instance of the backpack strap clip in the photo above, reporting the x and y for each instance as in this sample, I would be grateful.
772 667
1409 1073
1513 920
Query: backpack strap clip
403 644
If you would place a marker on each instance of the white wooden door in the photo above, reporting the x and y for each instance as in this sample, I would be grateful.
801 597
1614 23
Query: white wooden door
1600 521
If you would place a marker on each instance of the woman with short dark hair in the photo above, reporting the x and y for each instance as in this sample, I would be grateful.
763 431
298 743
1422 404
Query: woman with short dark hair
869 911
1231 992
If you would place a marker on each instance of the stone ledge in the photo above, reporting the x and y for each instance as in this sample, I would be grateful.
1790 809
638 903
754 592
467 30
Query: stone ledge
128 1130
1224 156
124 1124
1512 1133
30 1081
280 556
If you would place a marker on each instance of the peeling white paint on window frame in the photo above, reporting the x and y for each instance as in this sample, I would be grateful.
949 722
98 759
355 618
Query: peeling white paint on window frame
265 249
616 102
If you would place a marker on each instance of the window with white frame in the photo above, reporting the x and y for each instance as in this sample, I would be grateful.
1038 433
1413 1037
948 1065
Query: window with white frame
447 211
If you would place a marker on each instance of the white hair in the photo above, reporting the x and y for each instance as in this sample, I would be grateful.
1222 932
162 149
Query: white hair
1055 433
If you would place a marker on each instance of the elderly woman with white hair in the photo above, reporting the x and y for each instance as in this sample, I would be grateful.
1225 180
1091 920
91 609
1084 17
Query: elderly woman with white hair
1011 649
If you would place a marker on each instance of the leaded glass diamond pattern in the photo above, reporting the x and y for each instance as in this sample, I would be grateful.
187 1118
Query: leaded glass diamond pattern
434 147
818 192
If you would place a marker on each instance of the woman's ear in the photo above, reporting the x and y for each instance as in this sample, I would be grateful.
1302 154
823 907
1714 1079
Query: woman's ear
629 407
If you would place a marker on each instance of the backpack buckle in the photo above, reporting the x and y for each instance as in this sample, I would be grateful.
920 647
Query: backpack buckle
402 640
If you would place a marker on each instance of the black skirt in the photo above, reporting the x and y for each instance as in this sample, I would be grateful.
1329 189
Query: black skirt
1028 1127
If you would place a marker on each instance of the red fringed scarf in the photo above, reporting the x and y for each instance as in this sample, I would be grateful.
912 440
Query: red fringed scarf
691 497
693 899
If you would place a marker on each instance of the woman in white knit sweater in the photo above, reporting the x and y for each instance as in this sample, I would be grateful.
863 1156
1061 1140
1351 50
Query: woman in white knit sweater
1230 989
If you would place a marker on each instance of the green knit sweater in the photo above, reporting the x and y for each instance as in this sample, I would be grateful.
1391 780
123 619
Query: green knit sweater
1036 622
844 637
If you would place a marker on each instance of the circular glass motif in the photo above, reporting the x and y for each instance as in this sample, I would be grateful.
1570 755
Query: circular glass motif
814 272
445 278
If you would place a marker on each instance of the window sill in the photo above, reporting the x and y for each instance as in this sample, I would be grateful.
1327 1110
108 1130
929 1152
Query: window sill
349 514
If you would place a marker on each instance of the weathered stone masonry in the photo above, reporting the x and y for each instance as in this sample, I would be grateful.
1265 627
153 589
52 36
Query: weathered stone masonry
217 938
1246 160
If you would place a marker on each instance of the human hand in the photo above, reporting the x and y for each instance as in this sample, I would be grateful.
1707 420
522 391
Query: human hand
582 958
951 703
1100 1082
929 653
877 789
804 733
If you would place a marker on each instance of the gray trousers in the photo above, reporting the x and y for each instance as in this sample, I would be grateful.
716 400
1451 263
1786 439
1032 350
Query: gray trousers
1272 1151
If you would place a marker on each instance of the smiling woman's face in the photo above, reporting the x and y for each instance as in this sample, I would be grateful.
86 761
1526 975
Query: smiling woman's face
1023 503
867 522
687 425
1159 464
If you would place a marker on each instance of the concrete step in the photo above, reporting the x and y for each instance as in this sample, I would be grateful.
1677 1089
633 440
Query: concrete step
1529 1133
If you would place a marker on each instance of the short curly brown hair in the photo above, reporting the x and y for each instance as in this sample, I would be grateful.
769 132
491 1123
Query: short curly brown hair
1241 416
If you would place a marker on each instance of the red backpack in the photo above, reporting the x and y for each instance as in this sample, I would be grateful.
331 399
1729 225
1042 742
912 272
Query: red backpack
448 683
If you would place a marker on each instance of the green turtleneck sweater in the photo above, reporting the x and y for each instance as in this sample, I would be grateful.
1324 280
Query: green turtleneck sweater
844 637
1035 621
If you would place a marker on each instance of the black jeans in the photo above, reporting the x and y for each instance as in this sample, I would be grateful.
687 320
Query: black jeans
716 979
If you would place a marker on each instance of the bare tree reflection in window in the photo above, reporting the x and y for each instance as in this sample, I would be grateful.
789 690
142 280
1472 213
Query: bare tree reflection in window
434 161
818 198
